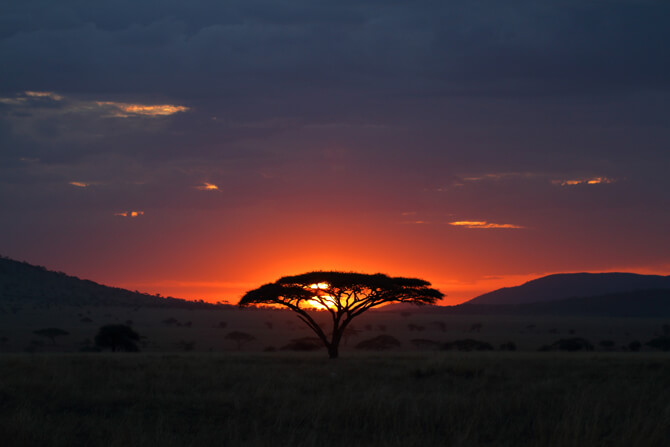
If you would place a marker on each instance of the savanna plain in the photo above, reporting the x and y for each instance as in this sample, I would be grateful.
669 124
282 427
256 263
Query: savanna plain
190 386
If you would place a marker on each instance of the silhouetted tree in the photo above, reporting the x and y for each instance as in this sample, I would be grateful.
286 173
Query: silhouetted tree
117 337
634 345
51 333
240 338
343 295
508 346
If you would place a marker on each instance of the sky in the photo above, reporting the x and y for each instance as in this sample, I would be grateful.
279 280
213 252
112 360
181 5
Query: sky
200 149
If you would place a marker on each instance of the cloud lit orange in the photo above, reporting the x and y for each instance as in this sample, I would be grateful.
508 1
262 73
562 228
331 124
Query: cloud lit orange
483 224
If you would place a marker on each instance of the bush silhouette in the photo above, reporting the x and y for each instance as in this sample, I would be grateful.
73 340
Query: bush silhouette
423 343
569 344
379 343
634 346
117 337
467 344
303 344
660 343
509 346
240 338
51 333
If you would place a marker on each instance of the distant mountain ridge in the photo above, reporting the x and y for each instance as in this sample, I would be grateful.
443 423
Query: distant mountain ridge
22 283
651 303
562 286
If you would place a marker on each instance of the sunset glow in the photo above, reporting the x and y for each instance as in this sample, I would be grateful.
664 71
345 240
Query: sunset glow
199 152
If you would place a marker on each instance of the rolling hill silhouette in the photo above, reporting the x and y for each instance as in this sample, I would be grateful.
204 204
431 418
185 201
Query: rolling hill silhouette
572 285
639 303
21 283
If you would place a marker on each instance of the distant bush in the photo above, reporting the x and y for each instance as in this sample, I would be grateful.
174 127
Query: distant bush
51 333
634 346
509 346
240 338
379 343
117 337
607 344
660 343
467 344
186 346
90 349
171 322
423 343
569 344
303 344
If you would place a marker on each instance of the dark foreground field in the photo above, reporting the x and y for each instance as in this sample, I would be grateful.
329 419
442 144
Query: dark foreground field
514 399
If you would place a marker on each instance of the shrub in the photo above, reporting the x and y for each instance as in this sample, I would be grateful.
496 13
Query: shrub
379 343
467 344
303 344
660 343
569 344
509 346
423 343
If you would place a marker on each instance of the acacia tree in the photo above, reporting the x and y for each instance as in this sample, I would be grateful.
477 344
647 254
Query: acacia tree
344 295
117 337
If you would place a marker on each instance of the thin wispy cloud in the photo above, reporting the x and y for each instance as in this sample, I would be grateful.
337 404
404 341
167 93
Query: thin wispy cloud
80 184
130 214
127 110
583 181
481 224
206 186
36 100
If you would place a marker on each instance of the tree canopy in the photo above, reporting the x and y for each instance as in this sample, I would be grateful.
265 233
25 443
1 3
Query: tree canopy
344 295
117 337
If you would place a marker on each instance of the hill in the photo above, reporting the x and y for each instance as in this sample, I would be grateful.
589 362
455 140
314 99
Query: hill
21 282
640 303
570 285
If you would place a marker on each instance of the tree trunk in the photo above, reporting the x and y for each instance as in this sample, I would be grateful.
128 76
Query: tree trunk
333 352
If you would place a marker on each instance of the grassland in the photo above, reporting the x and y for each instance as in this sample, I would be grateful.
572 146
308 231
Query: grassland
178 330
284 399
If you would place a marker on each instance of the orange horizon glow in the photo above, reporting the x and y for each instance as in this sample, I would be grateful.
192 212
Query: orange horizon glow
457 291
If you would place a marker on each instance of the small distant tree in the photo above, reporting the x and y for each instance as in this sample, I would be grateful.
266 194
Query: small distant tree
634 345
51 333
343 295
117 337
240 338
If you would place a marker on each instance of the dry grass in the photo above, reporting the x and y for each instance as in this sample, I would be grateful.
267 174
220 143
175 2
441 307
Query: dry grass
500 399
